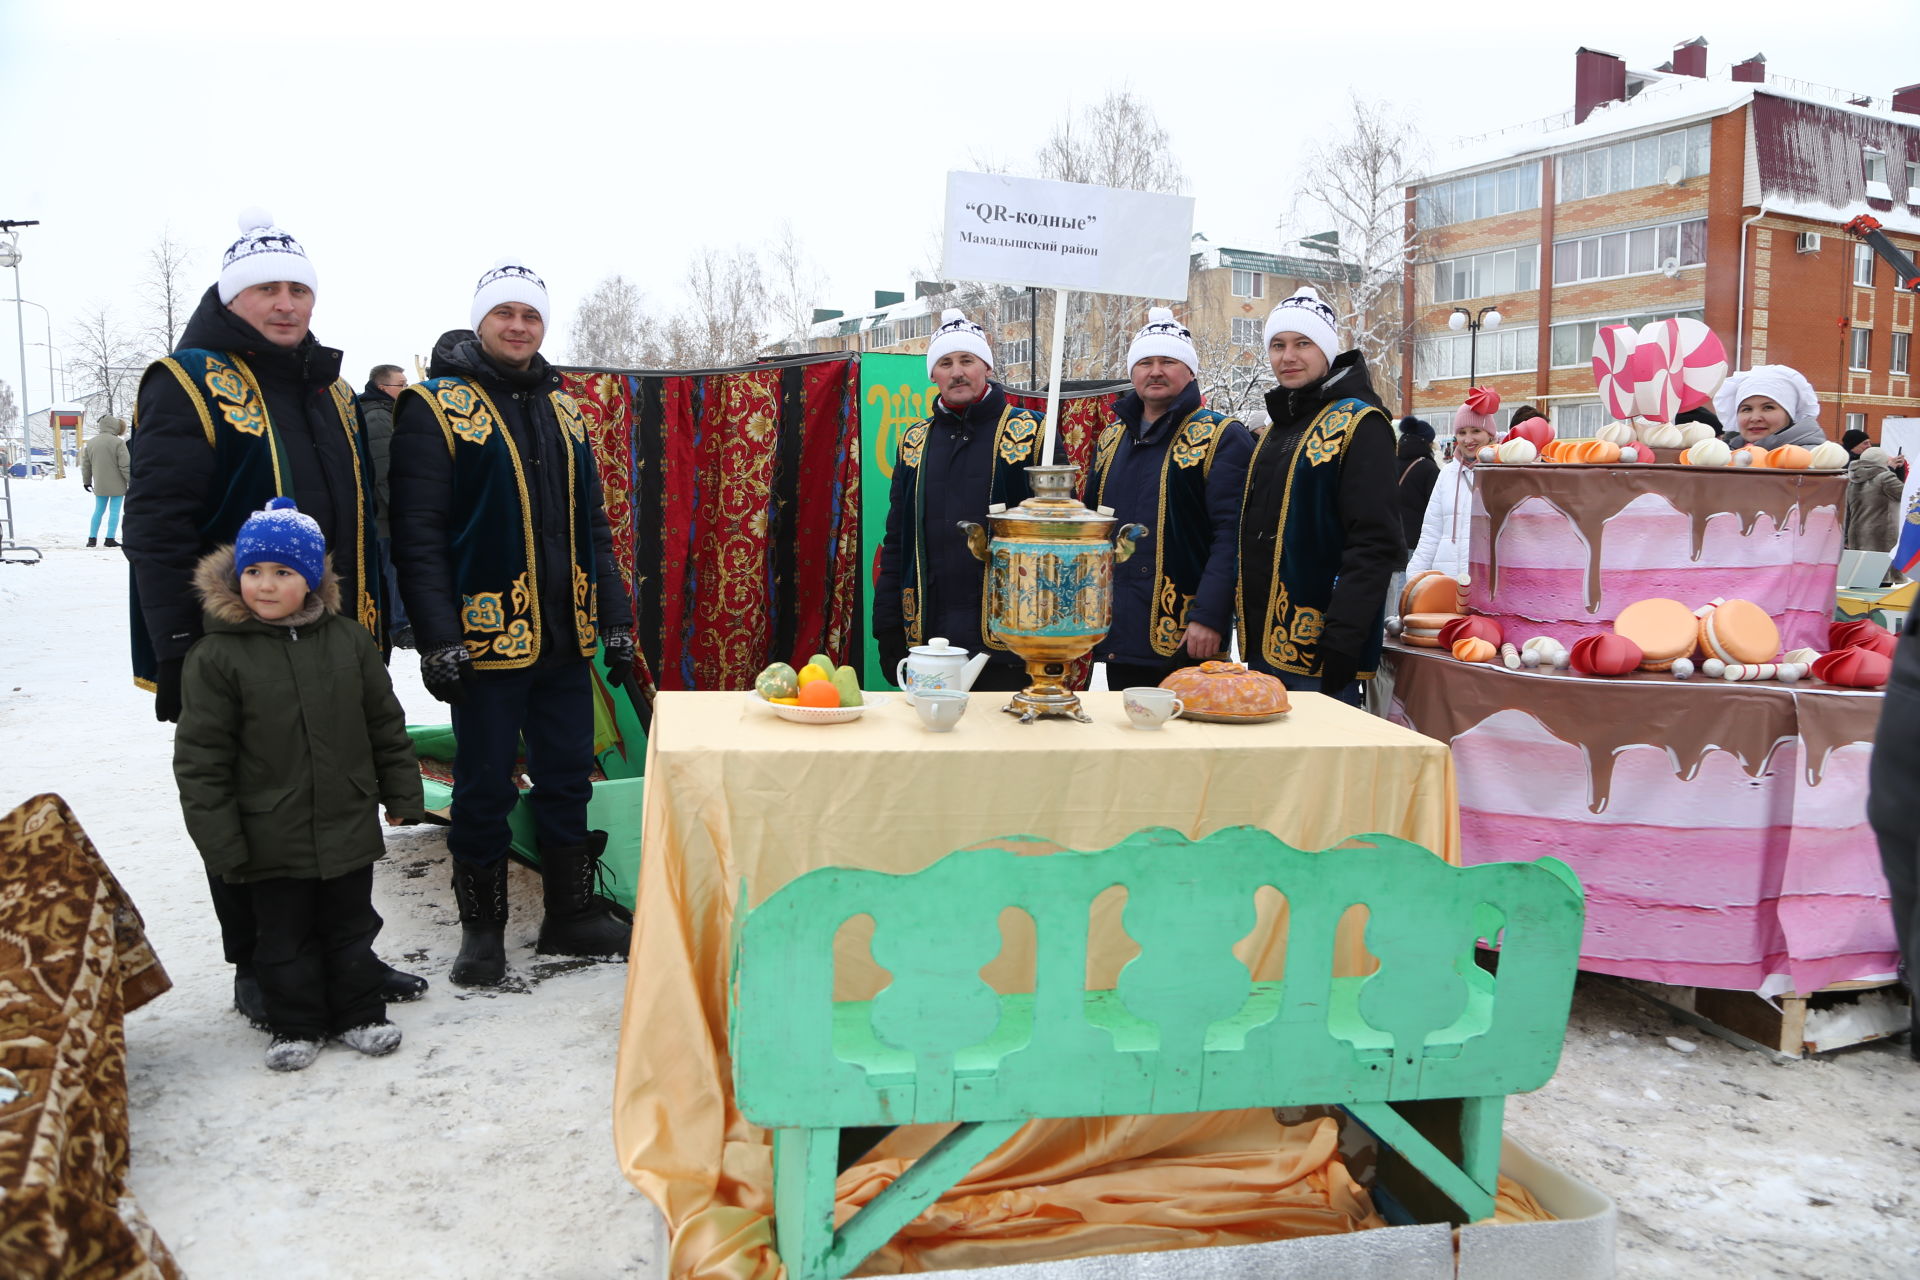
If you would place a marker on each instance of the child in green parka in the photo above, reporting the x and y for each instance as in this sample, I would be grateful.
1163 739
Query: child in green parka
290 739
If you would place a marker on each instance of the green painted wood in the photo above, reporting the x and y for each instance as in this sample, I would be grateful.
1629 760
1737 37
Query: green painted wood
944 1164
803 1176
1475 1201
1185 1028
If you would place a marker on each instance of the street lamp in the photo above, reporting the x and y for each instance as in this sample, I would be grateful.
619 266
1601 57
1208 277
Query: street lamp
47 316
1488 318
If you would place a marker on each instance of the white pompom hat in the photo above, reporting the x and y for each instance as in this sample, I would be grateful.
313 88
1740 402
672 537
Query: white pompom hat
1163 336
509 280
1305 313
262 254
957 333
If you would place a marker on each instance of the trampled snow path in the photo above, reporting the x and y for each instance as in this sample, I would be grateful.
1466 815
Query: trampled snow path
483 1149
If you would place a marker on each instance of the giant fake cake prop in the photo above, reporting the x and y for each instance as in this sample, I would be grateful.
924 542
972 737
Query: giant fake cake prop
1641 676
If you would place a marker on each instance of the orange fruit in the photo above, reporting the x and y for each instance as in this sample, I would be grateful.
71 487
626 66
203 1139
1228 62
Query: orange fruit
819 693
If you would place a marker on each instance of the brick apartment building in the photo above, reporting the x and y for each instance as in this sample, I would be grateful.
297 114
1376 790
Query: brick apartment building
1230 292
1668 193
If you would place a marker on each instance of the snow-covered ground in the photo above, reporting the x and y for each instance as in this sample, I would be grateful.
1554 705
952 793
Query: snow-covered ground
483 1147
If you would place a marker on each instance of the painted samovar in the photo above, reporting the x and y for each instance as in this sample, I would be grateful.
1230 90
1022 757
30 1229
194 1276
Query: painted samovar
1049 585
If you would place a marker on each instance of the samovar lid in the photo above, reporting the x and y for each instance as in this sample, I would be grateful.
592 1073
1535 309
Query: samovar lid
1053 503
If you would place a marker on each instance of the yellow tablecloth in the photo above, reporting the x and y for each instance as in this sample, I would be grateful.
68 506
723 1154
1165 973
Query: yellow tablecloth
734 794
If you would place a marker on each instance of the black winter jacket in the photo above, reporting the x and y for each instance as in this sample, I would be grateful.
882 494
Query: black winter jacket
376 415
1374 547
423 521
1416 474
174 487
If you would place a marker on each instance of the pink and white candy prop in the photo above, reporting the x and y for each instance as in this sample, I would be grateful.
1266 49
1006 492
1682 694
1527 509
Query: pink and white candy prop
1667 368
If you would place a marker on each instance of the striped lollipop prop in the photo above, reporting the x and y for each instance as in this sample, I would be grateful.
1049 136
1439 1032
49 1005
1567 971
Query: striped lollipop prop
1656 366
1613 373
1703 363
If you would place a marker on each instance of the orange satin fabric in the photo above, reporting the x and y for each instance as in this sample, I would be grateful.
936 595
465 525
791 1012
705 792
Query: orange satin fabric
735 796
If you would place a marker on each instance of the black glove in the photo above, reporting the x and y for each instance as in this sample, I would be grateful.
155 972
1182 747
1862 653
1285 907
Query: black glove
617 644
166 690
87 485
1336 671
893 649
447 670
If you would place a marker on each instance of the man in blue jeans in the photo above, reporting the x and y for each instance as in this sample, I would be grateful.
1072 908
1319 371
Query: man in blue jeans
506 562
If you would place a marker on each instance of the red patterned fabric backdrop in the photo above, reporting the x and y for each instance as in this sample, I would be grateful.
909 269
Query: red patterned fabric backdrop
734 496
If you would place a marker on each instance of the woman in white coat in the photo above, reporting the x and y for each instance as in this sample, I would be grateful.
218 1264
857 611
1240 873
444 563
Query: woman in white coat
1447 528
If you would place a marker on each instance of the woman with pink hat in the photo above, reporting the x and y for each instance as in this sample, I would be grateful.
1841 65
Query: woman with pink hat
1449 519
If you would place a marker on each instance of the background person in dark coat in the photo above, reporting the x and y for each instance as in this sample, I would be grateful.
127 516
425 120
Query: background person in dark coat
1313 591
504 554
1178 469
384 386
971 452
197 476
1418 471
1893 801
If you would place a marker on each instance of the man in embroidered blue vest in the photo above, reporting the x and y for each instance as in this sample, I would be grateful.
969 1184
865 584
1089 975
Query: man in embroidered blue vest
1319 529
249 407
505 558
972 452
1178 468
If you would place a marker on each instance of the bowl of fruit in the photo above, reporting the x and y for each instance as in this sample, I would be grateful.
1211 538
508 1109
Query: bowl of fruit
818 693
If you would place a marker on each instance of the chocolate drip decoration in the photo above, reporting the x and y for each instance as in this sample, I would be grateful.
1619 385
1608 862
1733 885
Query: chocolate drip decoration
1444 699
1590 495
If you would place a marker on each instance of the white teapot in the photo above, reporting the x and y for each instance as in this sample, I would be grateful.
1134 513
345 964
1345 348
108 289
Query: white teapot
937 665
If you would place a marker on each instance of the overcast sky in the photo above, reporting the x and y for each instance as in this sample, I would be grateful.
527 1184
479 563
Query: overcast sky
407 151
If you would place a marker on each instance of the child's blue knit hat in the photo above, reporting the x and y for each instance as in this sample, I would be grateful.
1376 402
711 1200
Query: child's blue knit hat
280 534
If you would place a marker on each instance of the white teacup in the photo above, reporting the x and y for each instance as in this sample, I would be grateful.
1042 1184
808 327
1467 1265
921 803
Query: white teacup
1149 707
940 709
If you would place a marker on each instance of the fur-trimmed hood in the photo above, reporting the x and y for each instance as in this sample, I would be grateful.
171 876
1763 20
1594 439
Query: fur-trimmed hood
218 586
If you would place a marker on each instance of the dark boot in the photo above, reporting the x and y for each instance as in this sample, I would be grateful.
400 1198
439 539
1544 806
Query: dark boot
247 1000
579 922
399 988
482 895
112 543
93 542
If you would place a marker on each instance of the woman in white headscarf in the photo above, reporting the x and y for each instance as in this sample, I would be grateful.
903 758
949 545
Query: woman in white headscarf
1771 405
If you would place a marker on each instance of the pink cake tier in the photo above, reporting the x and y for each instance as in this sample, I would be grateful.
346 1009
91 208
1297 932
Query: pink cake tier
1560 549
1719 830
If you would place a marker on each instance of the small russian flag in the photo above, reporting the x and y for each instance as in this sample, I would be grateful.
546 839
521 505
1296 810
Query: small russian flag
1906 555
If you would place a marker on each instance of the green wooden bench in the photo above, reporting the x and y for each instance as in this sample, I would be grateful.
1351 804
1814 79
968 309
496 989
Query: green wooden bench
1185 1029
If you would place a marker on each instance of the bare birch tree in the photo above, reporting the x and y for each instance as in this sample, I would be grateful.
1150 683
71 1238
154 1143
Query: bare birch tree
1356 184
1117 142
167 291
104 361
725 319
795 285
612 329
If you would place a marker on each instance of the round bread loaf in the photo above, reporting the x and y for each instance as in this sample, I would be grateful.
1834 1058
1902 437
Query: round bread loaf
1228 690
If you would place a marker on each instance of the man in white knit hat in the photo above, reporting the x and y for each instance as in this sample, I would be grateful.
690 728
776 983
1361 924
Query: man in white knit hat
1171 464
505 559
970 453
1320 534
249 407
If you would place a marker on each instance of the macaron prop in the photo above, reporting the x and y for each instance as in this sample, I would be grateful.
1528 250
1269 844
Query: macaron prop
1863 634
1605 655
1738 631
1854 668
1664 629
1432 592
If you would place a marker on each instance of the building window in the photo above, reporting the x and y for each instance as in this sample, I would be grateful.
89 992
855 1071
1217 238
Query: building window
1637 162
1860 350
1579 418
1863 265
1630 253
1876 165
1484 195
1015 352
1452 355
1018 307
1572 342
1249 284
1807 242
1897 357
1503 271
1856 422
1913 182
1246 331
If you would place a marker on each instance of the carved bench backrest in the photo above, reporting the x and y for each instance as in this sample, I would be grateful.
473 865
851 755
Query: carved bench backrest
1186 1029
